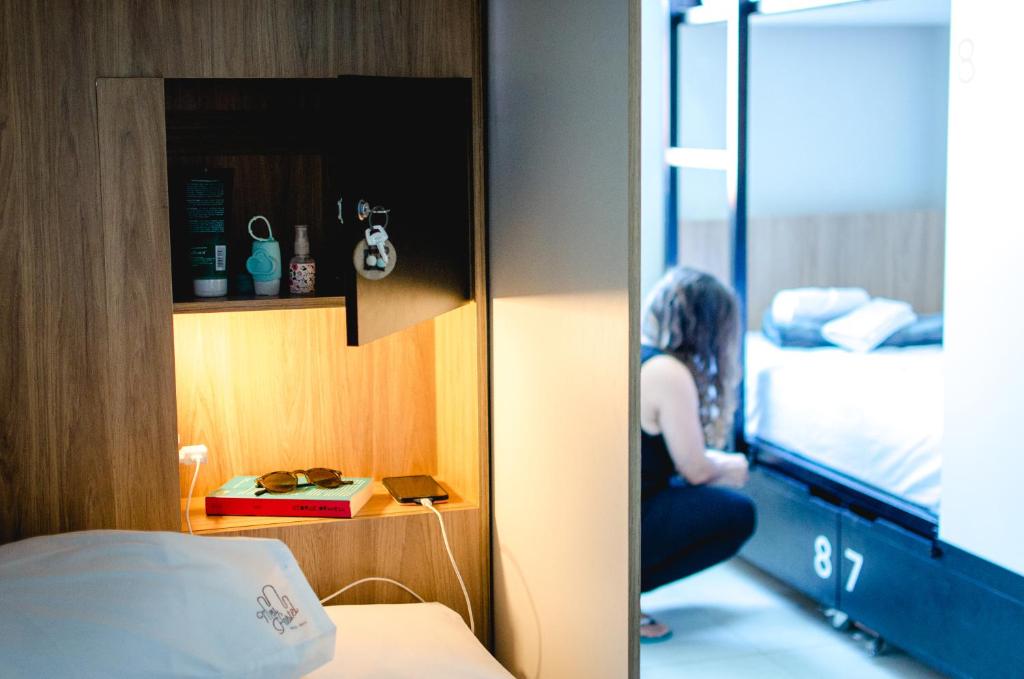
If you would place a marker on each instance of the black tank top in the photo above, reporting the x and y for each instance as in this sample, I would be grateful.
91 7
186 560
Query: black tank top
656 466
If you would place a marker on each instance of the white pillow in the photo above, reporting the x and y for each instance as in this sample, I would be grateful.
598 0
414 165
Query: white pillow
406 641
147 604
815 304
867 326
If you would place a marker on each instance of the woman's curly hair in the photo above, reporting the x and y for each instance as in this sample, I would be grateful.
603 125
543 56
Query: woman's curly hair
692 316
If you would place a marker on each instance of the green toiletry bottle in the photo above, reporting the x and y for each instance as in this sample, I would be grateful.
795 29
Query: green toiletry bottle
207 195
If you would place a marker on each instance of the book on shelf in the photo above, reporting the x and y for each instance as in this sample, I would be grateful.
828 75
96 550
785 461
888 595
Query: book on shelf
238 497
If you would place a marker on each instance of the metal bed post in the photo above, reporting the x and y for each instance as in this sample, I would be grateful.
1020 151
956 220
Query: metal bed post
737 62
732 159
671 251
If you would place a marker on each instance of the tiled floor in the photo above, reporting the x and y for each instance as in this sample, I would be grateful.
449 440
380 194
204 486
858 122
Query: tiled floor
732 621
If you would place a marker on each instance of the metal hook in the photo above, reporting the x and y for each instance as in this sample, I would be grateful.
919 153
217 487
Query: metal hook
365 212
379 211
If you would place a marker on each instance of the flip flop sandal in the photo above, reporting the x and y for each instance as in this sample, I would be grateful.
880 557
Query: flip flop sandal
646 620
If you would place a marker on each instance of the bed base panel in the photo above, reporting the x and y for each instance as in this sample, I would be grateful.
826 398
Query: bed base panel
793 529
845 491
959 613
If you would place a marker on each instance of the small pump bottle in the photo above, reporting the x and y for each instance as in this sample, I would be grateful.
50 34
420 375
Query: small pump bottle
302 268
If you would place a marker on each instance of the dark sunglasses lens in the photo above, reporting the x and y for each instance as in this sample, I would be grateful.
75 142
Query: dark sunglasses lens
325 478
278 482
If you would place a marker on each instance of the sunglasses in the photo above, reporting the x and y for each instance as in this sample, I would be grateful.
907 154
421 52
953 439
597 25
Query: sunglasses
286 482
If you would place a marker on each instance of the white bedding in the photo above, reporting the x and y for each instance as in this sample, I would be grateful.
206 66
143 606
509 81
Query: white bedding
876 417
157 605
405 641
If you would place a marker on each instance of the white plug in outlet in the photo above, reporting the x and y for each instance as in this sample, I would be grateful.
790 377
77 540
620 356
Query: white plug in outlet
196 453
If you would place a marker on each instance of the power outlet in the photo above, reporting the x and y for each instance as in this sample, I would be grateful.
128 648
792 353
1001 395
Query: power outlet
192 454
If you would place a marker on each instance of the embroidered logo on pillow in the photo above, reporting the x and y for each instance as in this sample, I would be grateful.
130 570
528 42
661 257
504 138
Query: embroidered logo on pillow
277 610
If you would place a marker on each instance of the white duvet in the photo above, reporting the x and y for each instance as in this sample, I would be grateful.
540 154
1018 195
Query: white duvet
876 417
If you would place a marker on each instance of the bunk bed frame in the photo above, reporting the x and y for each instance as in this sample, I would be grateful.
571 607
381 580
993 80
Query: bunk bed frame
870 558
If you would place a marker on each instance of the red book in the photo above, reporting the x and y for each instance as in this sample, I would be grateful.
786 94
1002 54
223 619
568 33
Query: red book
238 497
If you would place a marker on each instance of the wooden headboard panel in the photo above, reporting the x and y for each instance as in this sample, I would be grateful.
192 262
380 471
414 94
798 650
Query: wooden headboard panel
891 254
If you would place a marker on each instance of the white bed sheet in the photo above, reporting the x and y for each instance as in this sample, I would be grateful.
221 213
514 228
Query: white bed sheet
405 641
876 417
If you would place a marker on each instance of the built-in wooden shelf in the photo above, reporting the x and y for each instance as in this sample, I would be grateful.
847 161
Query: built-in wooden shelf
201 305
381 505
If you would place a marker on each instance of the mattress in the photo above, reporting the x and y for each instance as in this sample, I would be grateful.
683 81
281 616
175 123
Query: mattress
875 417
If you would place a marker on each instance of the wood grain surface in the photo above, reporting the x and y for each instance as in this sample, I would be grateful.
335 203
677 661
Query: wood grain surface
205 305
137 267
168 38
891 254
271 39
55 445
457 402
320 38
280 390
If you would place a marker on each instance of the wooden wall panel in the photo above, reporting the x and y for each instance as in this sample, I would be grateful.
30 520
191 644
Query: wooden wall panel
271 39
139 357
273 390
72 381
54 420
891 254
125 32
14 351
405 37
481 311
407 548
458 404
319 38
704 245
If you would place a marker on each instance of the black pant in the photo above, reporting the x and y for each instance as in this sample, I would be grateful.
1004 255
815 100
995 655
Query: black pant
685 530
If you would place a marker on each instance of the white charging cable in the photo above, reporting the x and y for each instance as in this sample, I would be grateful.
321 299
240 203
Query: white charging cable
444 535
371 579
198 455
188 503
451 557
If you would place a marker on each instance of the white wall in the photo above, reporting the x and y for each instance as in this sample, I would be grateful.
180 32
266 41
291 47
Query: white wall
842 119
561 277
983 467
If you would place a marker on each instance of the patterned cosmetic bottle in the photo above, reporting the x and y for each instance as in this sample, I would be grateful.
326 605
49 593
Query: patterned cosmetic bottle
302 268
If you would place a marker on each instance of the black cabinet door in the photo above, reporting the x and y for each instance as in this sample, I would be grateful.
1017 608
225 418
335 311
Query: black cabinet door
402 145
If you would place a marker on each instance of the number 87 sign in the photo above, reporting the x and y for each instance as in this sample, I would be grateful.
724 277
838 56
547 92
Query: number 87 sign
823 562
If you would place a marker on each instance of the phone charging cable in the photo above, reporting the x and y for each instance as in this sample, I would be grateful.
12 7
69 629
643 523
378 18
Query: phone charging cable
451 557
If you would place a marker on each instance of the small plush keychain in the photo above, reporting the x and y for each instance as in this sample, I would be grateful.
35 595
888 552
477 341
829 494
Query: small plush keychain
375 256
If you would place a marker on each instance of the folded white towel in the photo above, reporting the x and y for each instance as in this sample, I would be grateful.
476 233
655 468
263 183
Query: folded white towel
816 304
869 325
